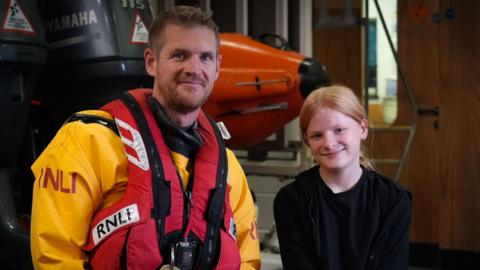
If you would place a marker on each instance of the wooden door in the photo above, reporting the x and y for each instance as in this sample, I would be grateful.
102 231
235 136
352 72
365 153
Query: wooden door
439 51
438 48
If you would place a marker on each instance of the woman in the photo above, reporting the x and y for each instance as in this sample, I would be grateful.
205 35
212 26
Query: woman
341 214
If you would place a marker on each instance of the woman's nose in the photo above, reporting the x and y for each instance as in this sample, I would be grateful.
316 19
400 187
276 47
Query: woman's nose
329 140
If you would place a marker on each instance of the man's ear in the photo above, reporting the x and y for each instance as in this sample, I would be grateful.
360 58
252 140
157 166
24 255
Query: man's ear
150 61
363 129
219 61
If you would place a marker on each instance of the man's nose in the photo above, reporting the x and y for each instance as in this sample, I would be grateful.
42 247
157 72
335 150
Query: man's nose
193 65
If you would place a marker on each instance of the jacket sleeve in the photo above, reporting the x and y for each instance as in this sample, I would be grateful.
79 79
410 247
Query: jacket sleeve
293 248
395 247
67 191
244 214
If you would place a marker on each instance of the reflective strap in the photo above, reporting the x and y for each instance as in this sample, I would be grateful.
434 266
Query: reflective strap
160 187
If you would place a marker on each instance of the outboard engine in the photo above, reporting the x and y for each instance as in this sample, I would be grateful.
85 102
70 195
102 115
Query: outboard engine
95 52
23 54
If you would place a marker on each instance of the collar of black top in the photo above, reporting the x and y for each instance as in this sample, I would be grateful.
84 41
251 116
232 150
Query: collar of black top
181 140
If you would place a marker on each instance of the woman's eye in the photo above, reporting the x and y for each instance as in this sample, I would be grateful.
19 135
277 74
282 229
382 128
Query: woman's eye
340 130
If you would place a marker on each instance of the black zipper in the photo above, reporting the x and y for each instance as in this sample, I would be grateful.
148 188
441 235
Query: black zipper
187 194
375 250
188 204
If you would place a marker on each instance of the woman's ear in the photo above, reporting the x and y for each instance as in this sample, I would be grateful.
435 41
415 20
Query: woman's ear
363 129
305 139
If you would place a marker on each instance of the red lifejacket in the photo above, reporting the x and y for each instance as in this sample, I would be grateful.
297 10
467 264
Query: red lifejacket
135 231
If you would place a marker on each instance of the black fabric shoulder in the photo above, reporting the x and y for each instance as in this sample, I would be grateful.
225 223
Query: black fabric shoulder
304 181
296 225
288 194
300 191
383 181
389 191
307 174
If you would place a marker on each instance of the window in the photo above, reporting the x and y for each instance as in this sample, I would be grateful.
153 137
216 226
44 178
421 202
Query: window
381 67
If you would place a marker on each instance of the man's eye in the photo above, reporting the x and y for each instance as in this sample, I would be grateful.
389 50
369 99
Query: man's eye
178 56
340 130
206 57
315 136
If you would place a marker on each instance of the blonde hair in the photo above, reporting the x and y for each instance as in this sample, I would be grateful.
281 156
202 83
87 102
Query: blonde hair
339 98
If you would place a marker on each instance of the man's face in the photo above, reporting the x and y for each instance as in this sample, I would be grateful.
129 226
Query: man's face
185 67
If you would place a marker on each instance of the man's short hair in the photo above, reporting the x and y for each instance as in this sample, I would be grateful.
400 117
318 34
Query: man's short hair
182 16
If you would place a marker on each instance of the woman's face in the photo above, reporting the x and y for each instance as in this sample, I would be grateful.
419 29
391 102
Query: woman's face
335 139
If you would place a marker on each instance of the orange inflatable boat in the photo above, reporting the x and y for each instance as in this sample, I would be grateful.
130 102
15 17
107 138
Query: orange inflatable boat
260 88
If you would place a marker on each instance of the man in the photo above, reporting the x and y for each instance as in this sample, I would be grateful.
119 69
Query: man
146 182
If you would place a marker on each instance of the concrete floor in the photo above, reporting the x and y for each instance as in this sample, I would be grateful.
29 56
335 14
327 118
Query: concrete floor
271 261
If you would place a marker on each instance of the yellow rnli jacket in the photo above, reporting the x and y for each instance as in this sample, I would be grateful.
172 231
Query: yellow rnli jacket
83 170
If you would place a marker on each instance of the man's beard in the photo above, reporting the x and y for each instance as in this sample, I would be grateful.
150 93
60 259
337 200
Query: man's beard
184 105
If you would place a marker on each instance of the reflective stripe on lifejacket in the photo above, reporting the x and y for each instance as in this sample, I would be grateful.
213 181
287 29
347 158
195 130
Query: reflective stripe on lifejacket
155 189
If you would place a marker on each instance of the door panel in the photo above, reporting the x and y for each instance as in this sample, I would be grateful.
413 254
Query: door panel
441 63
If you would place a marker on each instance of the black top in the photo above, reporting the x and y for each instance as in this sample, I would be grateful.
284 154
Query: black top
365 227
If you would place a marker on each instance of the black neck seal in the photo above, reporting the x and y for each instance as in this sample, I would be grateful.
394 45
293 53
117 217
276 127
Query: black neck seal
185 141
